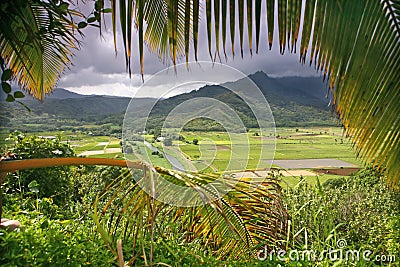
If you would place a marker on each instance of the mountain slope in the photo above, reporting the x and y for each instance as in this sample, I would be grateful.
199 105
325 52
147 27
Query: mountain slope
61 93
294 101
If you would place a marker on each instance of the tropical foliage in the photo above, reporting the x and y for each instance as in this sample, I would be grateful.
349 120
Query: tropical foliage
354 43
53 182
358 209
52 204
37 40
232 226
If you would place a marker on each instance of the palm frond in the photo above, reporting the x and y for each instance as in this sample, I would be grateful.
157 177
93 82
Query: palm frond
233 225
270 20
357 48
37 40
241 24
232 24
250 24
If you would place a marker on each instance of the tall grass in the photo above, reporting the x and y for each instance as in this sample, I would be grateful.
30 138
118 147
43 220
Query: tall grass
357 213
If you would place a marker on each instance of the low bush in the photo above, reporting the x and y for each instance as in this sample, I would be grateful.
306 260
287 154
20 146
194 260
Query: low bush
52 242
52 182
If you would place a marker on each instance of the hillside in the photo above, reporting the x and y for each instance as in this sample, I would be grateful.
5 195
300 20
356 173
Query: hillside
294 101
61 93
65 110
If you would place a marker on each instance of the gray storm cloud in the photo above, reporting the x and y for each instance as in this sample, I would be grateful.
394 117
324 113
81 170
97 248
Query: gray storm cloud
98 69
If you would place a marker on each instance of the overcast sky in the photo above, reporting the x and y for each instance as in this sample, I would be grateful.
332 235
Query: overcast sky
98 70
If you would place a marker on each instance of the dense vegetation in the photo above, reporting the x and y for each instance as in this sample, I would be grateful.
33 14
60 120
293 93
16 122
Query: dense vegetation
358 209
59 229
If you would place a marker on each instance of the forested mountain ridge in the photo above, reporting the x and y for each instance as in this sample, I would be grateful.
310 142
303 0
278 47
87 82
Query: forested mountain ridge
294 101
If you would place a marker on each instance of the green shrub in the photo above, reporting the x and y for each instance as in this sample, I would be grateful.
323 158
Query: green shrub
46 242
57 235
55 183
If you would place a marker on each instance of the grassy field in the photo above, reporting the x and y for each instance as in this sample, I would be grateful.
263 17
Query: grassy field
80 142
291 143
311 143
157 160
215 150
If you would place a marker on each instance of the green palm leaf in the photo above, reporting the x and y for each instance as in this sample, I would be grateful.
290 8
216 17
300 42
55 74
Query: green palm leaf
36 41
270 19
250 24
241 24
234 226
232 24
224 27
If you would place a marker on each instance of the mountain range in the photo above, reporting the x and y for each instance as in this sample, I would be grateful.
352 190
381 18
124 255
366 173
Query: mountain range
294 101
